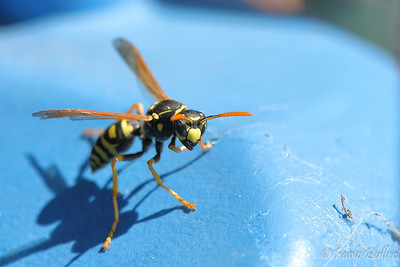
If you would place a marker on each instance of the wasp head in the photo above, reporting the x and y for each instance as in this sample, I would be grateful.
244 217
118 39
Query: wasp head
189 127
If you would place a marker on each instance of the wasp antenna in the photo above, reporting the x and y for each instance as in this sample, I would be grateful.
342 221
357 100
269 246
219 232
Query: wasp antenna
180 116
227 114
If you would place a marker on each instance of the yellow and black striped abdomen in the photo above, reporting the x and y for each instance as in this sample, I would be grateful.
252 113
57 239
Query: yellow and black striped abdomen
115 140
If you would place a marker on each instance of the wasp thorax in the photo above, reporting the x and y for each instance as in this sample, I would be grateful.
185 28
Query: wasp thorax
190 129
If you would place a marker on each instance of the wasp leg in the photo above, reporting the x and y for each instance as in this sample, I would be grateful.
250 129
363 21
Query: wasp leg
175 148
115 191
138 107
90 132
155 159
205 146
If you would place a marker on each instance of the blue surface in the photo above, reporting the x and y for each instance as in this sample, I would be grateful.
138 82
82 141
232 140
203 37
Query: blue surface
326 113
21 10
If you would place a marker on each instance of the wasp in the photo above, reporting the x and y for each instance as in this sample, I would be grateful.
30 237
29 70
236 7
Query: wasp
165 119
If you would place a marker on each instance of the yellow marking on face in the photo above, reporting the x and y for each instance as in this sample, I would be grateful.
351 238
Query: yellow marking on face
179 110
126 128
112 132
101 152
187 127
165 111
96 159
194 135
159 127
201 126
155 116
111 148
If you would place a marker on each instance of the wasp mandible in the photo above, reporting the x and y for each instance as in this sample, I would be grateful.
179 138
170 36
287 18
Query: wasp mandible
165 119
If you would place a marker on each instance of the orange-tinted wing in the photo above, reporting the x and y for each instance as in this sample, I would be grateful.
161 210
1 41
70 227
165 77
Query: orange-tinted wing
135 61
84 114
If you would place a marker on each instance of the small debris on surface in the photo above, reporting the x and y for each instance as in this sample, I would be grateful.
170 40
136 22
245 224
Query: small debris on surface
348 212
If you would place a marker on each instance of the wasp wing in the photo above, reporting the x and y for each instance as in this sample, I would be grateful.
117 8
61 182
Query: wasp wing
135 61
85 114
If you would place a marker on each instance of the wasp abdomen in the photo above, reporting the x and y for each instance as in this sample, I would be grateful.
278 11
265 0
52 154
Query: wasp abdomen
115 140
